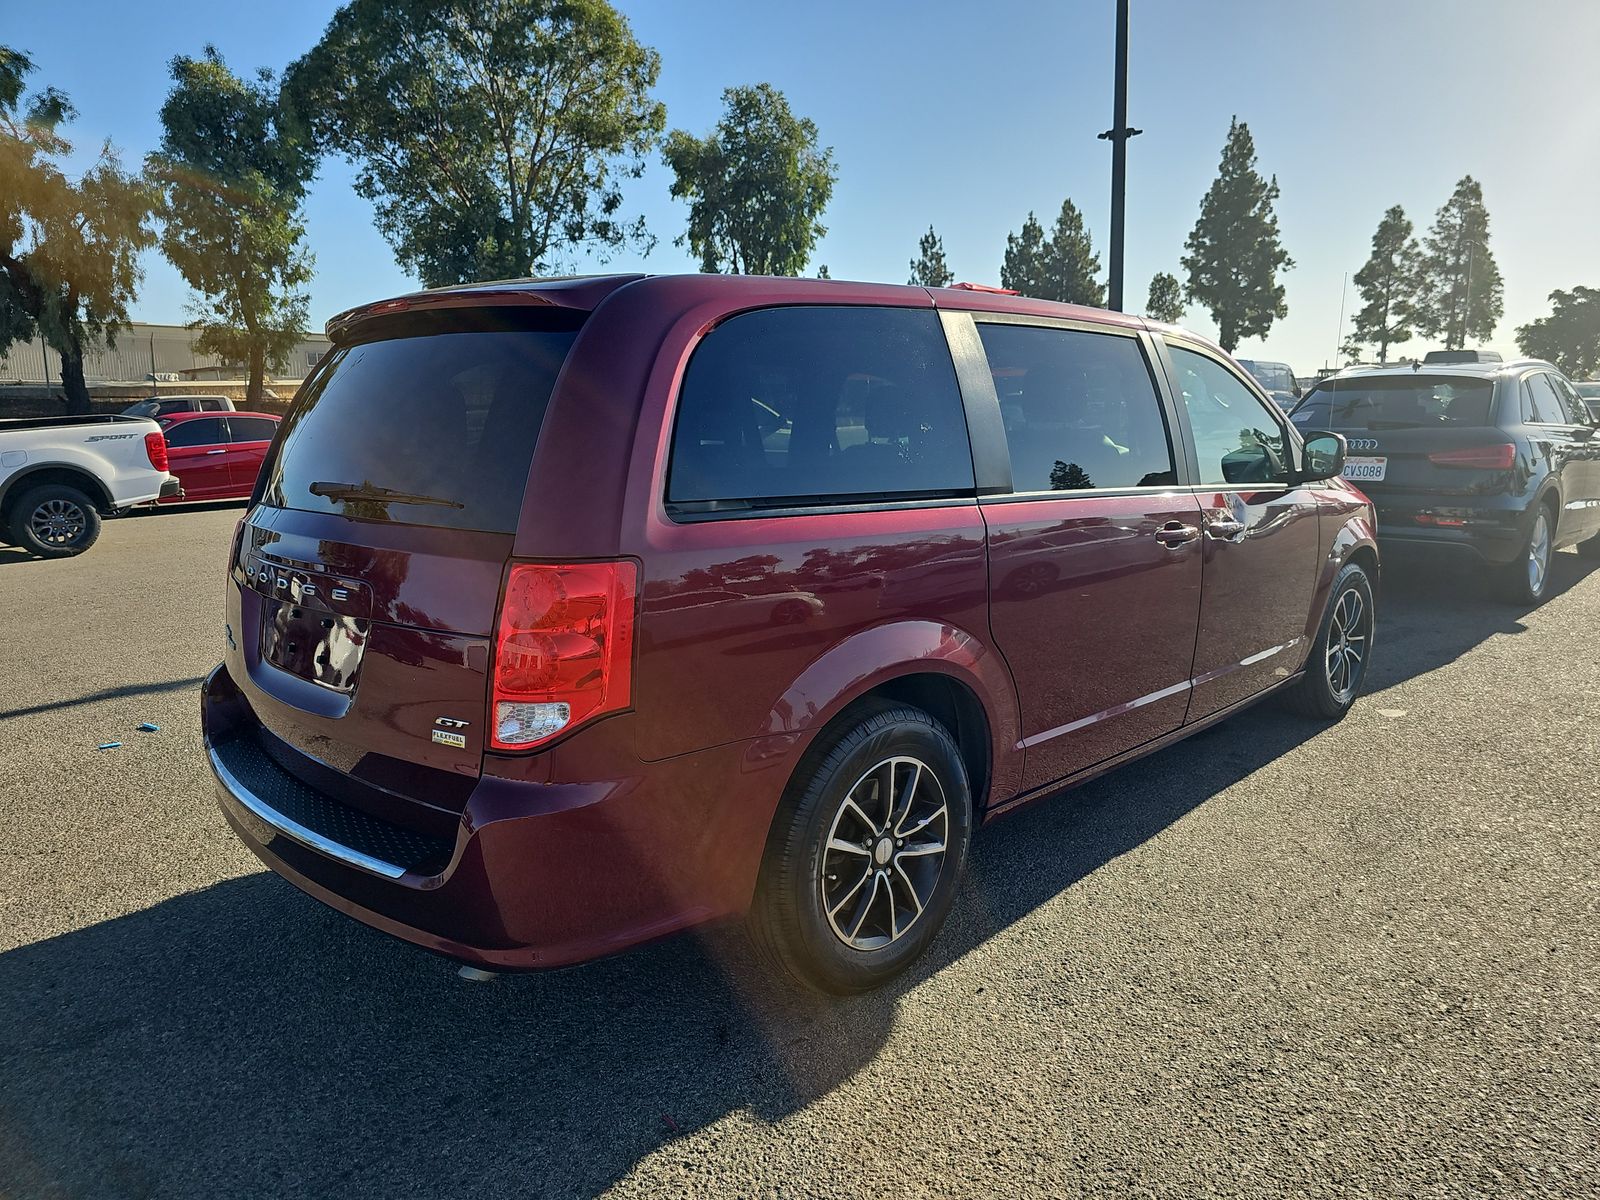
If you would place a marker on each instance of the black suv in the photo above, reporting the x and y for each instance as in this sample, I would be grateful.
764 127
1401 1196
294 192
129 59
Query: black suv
1486 458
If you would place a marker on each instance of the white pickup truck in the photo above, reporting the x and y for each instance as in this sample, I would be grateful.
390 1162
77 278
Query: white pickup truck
60 475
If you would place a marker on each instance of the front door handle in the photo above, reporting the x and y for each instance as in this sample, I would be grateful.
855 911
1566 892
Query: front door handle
1175 533
1226 529
211 452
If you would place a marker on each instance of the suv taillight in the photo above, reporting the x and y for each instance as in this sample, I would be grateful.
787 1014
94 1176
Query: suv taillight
1485 458
155 448
563 653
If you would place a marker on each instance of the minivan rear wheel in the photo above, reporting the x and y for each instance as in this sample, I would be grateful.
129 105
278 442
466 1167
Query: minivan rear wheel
865 853
1337 665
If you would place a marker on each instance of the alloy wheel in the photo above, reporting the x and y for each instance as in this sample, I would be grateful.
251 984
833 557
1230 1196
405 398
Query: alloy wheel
1538 553
58 522
1348 635
884 853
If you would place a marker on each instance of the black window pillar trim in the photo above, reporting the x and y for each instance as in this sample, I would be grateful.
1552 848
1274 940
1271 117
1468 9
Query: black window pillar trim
986 430
1188 459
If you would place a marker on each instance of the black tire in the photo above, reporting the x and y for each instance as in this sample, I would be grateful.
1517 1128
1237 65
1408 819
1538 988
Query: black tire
54 521
1520 582
802 894
1326 692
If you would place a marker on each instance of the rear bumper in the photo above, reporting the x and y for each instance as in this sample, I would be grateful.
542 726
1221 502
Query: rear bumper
133 488
537 875
172 489
1493 533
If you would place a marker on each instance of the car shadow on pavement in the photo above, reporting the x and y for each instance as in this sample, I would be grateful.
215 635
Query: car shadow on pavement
242 1039
1431 613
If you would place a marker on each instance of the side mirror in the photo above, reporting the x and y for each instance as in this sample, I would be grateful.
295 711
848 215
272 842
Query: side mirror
1325 454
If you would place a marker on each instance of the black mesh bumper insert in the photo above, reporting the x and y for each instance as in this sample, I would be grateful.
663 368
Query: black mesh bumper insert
326 817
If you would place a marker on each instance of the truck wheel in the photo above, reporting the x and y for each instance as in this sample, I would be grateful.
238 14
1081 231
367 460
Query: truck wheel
865 853
54 521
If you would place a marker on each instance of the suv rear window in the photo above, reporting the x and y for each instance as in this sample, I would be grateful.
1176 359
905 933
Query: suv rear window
793 406
433 427
1398 402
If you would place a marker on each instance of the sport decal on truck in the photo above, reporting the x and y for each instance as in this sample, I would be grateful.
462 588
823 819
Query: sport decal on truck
111 437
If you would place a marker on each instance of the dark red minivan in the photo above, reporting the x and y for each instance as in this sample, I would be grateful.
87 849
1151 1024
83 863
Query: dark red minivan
569 614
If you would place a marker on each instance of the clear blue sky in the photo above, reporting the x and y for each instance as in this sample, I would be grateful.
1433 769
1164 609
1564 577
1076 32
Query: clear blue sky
968 115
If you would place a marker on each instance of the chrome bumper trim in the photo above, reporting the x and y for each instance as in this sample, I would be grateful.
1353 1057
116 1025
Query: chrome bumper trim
295 831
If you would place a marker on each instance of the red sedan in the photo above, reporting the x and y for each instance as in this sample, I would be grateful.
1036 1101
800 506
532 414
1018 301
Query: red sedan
217 456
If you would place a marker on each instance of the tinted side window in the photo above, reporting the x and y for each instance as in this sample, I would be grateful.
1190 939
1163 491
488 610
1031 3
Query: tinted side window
195 433
1571 403
251 429
797 405
1236 438
1080 409
212 405
1546 405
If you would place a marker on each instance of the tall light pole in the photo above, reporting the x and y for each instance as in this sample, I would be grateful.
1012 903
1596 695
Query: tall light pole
1118 136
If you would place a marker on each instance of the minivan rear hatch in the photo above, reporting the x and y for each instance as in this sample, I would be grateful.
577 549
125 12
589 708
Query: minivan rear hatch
1394 423
374 553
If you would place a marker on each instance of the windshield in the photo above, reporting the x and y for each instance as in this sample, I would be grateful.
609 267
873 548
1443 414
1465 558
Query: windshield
1399 402
425 430
1275 377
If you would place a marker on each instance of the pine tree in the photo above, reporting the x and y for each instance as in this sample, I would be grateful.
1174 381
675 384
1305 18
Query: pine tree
1165 302
1070 263
1388 287
1062 268
1234 251
1461 290
1023 267
1069 477
929 268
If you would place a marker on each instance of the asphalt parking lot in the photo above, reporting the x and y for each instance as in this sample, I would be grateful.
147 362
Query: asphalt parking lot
1278 959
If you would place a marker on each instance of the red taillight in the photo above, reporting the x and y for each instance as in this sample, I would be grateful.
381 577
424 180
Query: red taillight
155 447
563 653
1484 458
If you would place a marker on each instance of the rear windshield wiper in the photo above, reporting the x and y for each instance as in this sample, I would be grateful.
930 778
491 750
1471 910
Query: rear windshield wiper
370 491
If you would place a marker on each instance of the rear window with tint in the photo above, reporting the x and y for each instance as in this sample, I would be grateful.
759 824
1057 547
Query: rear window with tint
1398 402
433 428
792 406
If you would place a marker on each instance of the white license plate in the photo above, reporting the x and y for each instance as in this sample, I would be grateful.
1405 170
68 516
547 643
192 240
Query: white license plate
1370 470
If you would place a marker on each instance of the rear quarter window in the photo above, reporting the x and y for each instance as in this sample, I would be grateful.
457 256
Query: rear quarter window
796 406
